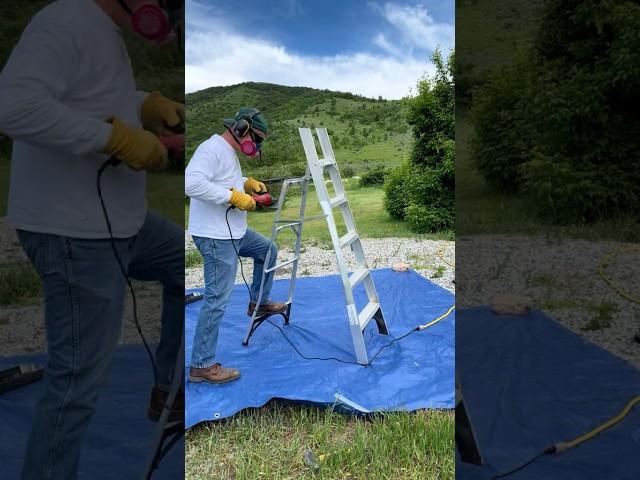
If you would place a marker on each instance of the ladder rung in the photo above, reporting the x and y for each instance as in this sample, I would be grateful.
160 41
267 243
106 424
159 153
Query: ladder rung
338 200
357 276
314 217
326 162
296 180
283 264
305 219
367 313
347 239
289 224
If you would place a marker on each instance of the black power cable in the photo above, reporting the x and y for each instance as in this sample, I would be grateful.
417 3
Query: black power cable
300 354
226 216
349 362
113 162
546 451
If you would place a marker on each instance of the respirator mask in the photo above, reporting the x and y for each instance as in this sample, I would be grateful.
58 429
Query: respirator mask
153 22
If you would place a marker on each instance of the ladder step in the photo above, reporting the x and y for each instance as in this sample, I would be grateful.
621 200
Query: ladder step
338 200
293 181
326 162
288 224
347 239
283 264
357 276
305 219
367 314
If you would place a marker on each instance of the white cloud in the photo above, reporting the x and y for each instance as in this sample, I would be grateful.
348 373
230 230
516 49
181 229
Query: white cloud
417 28
218 56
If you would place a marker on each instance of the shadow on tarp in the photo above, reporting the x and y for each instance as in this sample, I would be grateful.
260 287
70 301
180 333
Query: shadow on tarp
529 383
119 437
414 373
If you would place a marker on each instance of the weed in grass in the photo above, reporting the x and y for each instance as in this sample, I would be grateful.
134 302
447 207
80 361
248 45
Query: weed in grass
438 271
603 317
192 258
19 284
559 304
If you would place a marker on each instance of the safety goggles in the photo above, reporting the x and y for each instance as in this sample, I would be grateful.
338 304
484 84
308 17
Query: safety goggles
256 137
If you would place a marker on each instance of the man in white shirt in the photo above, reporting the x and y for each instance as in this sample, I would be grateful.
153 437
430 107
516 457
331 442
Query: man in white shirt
69 102
220 197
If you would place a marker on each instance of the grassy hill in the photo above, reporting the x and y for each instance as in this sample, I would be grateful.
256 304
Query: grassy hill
365 133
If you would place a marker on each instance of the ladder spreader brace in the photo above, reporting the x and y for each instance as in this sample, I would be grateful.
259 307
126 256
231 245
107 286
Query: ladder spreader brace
315 172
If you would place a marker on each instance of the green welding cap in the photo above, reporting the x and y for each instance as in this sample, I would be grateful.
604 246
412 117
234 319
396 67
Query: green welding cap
247 118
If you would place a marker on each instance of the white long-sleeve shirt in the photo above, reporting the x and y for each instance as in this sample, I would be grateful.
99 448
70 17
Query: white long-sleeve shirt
69 72
213 170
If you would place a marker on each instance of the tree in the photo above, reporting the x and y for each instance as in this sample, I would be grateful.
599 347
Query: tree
561 123
422 190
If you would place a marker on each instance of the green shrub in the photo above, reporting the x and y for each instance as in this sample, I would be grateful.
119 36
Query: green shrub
499 146
374 176
562 125
422 190
347 171
19 284
396 193
297 169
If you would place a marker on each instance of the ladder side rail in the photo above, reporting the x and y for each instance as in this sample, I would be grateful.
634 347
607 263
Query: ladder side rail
323 197
298 230
274 234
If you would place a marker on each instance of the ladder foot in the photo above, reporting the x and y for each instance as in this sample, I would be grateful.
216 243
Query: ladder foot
286 314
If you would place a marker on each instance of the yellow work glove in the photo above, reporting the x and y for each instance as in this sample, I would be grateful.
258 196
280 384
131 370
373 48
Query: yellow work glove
139 149
158 111
254 186
242 200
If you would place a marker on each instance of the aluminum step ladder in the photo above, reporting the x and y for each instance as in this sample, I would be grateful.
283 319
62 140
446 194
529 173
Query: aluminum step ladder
316 170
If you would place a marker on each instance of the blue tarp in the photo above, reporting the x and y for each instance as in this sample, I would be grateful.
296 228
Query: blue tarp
415 372
528 383
118 440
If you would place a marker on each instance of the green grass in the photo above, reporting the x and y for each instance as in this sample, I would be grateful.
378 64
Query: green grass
19 284
372 221
192 258
270 443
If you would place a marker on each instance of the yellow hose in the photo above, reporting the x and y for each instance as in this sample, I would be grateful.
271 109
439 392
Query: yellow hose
436 320
561 447
604 263
440 254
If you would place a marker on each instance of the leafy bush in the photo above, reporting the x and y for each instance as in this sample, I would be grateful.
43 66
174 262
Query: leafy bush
347 171
562 125
422 190
297 169
499 147
373 177
396 193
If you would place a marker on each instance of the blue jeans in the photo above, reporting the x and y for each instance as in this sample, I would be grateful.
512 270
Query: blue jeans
84 299
220 267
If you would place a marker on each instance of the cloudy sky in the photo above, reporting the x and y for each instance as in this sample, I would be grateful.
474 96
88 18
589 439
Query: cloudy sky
367 47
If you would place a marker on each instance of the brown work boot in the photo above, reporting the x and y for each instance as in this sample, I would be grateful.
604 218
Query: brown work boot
268 308
156 404
213 374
